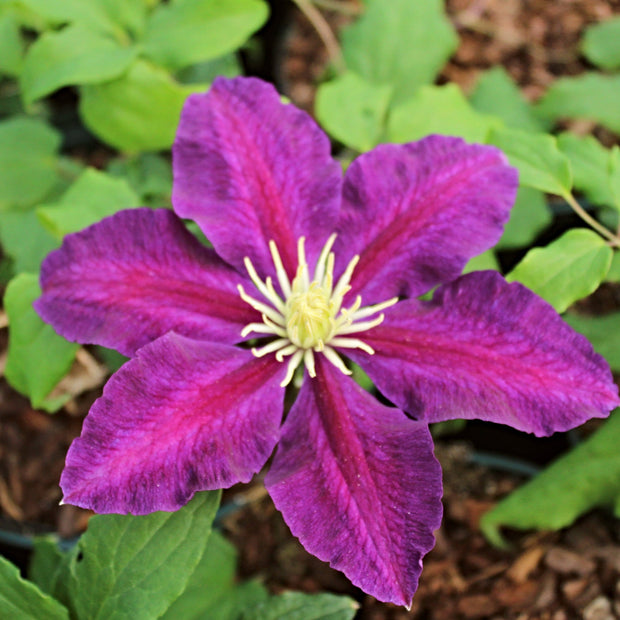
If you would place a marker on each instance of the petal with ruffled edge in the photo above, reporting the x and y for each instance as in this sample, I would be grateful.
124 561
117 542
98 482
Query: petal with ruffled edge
358 484
417 212
182 416
486 349
250 169
136 275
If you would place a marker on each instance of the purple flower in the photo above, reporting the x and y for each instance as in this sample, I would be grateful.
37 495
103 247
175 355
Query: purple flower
316 269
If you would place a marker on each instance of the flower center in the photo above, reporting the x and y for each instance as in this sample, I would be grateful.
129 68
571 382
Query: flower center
308 317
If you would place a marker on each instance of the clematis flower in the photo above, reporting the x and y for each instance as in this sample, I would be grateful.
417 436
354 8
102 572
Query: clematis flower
309 271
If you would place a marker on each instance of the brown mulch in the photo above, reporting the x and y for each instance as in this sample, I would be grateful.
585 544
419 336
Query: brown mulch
546 576
573 574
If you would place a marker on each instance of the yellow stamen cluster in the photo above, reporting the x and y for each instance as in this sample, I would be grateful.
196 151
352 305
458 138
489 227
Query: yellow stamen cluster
309 318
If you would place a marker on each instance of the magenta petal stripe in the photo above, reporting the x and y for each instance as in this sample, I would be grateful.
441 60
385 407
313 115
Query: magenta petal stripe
182 416
358 484
134 276
486 349
250 169
416 213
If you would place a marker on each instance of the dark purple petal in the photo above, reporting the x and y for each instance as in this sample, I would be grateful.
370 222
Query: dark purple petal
250 169
416 213
133 277
182 416
358 484
486 349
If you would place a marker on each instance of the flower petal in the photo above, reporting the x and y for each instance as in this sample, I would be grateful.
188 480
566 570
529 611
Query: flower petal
416 213
182 416
250 169
134 276
486 349
358 484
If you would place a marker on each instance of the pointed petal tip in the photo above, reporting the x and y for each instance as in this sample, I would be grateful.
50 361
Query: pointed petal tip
370 473
182 416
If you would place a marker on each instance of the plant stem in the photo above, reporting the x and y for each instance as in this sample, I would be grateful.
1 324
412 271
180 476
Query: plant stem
586 217
345 8
324 31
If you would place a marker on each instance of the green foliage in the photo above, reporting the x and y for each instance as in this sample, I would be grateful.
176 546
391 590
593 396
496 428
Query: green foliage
25 240
71 56
590 96
360 123
165 565
93 196
613 181
400 43
298 606
441 110
528 217
601 44
11 45
602 332
136 112
497 95
566 270
27 161
587 477
590 163
122 54
37 357
149 175
125 566
540 163
211 591
176 33
22 600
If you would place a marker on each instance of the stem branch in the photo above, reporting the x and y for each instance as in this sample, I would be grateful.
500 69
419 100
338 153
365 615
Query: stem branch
586 217
324 31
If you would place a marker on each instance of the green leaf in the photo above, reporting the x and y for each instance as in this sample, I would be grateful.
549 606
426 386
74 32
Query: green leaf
129 14
190 31
353 110
38 358
11 45
27 161
528 217
46 564
85 12
137 112
245 596
540 163
566 270
298 606
613 179
22 600
591 96
213 578
613 275
72 56
497 95
603 332
482 262
401 43
92 197
205 72
135 567
587 477
441 110
148 174
601 44
589 161
25 240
